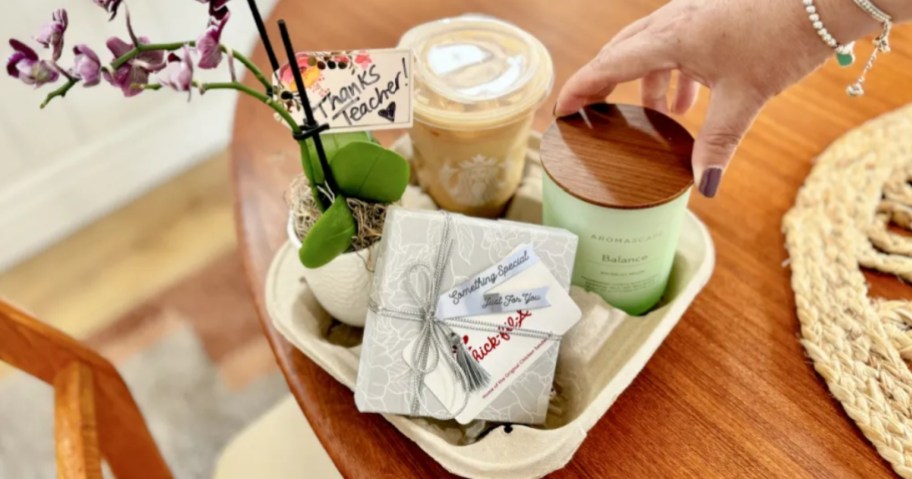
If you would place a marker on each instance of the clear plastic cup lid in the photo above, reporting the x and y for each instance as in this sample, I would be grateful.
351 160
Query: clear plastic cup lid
475 71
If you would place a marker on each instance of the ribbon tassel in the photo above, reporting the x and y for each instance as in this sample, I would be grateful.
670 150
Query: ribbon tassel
476 377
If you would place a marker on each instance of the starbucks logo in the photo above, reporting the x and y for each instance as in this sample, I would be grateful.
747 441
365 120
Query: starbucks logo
474 182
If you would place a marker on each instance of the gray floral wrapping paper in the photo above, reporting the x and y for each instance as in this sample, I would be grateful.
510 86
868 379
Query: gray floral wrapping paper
385 381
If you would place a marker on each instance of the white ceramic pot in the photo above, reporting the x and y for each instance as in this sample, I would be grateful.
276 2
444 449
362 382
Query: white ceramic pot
343 285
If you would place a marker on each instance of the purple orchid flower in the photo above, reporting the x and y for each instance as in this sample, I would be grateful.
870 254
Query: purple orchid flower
110 6
51 35
179 73
208 43
25 65
87 66
133 74
128 79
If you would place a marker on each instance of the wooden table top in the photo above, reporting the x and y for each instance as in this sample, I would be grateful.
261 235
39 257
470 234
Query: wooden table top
730 392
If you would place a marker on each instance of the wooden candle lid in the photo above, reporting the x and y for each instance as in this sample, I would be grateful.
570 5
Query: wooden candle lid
619 156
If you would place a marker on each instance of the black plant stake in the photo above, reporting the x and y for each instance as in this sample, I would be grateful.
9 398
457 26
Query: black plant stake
258 19
310 129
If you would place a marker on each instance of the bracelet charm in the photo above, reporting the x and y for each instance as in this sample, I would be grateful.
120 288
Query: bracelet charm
845 55
881 43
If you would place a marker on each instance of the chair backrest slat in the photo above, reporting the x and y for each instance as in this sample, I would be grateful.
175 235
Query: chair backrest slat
114 424
75 428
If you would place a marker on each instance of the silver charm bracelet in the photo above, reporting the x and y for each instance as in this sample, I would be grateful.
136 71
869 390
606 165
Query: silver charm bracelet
845 53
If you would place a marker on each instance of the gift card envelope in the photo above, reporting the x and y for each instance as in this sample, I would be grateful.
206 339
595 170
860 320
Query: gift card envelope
512 341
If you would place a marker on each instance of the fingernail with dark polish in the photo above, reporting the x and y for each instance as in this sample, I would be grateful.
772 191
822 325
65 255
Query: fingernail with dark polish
709 182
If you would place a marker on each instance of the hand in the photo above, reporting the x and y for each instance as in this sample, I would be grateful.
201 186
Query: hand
745 51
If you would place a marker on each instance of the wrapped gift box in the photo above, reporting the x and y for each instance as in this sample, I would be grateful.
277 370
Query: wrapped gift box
386 382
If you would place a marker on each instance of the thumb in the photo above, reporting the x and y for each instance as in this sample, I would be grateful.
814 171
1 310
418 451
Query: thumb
731 112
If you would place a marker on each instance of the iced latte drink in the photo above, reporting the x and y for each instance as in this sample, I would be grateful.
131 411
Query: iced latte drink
478 83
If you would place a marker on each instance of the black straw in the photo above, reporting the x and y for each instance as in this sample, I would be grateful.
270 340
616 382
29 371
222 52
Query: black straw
296 72
310 125
273 61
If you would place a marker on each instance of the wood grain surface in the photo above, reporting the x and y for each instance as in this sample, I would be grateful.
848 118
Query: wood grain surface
620 156
117 428
730 393
75 427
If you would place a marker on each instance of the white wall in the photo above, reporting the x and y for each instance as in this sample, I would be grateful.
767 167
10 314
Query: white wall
87 154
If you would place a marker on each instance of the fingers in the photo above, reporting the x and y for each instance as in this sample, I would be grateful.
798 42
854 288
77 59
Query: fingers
654 90
626 61
731 112
686 95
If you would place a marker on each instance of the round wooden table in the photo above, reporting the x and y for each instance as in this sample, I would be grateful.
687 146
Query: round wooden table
731 392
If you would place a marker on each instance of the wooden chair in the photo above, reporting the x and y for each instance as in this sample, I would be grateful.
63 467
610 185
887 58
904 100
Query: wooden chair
94 412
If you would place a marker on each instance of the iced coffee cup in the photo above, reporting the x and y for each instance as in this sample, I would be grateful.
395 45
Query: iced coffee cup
478 82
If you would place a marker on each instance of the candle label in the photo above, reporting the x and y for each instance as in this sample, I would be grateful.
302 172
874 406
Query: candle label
624 255
625 263
537 304
356 90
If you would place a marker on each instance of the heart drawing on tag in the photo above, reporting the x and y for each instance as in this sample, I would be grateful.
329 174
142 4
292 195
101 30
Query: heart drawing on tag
389 112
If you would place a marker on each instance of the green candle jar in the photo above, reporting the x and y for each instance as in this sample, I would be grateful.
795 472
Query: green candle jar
619 176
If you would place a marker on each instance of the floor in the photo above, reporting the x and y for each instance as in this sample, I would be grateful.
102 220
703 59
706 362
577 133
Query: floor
166 255
192 413
161 271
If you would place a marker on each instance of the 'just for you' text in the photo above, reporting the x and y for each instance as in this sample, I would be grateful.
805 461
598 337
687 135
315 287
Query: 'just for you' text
509 300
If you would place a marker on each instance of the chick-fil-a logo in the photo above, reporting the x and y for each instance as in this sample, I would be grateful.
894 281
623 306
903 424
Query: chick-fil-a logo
512 323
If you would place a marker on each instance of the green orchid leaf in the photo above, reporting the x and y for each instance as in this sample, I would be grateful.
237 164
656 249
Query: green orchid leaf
329 237
333 142
369 172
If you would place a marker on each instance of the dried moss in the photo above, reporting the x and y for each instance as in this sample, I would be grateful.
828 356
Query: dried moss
369 217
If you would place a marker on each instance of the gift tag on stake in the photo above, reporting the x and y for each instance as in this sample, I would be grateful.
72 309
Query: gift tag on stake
356 90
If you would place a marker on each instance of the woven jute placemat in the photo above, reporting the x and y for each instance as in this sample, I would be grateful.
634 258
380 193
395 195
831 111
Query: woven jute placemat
839 226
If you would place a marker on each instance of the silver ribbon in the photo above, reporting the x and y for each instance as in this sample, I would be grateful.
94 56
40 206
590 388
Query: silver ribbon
436 338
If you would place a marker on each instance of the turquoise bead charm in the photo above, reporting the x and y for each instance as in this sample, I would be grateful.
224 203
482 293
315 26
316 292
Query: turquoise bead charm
845 54
845 59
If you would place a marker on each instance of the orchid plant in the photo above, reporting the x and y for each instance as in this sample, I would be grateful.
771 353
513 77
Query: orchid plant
353 165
